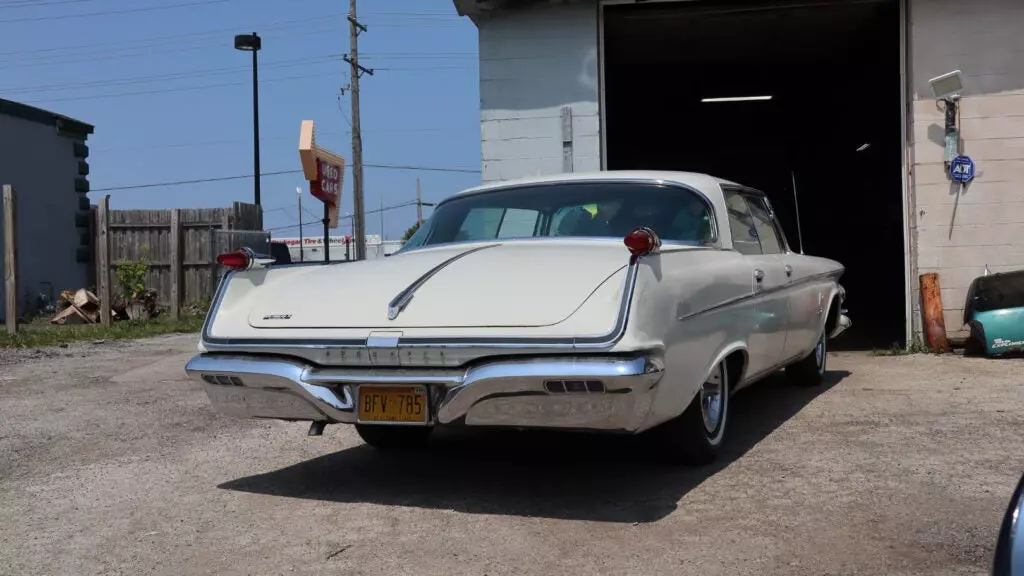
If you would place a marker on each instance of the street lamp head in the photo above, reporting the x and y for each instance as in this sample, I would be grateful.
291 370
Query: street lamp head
248 42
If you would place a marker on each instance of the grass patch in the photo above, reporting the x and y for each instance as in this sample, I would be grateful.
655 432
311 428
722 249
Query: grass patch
42 335
897 350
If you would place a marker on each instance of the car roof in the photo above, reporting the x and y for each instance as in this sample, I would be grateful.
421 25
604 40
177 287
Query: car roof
703 182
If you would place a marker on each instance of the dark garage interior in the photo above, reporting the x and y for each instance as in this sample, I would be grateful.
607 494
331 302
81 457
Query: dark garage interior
833 122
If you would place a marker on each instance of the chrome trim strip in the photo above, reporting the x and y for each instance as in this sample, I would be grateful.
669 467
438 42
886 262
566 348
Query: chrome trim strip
762 293
403 298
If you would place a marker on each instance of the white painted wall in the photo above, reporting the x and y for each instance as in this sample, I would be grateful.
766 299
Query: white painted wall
985 40
532 63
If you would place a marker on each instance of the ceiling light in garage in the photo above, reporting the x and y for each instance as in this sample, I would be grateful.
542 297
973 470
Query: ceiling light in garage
737 99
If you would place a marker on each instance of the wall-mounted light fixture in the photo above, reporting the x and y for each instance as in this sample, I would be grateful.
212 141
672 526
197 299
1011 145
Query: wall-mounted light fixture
737 99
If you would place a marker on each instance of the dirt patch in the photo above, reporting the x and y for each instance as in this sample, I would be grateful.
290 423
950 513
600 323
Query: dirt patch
111 462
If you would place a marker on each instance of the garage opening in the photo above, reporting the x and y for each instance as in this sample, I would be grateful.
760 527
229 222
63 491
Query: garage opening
832 123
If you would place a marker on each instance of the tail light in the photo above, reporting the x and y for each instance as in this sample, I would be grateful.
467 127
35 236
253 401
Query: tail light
642 241
241 259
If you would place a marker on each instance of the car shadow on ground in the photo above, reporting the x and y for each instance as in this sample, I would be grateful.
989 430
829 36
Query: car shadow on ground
540 474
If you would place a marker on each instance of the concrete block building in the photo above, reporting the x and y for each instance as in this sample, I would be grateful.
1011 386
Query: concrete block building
826 105
43 155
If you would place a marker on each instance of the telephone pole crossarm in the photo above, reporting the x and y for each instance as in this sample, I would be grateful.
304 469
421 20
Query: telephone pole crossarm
362 69
352 19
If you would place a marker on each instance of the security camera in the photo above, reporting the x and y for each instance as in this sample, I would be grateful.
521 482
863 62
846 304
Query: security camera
948 86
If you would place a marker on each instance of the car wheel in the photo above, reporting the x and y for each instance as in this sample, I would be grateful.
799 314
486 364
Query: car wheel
811 370
697 434
394 438
976 343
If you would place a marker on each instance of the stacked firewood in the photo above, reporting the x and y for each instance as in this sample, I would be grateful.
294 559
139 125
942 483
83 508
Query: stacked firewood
83 307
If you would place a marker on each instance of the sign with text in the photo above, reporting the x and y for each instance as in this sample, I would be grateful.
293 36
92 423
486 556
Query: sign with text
961 169
323 169
327 186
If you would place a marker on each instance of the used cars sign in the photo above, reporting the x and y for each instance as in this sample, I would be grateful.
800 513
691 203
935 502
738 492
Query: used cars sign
324 170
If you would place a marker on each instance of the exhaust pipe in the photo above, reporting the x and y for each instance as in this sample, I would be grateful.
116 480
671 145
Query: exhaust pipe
316 428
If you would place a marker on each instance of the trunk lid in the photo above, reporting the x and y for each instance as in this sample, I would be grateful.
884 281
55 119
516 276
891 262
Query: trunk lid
515 284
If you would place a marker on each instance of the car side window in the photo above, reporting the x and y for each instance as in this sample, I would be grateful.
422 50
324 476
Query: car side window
479 223
741 224
518 223
766 233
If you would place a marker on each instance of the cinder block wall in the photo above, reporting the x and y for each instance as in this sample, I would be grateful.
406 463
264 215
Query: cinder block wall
532 63
986 41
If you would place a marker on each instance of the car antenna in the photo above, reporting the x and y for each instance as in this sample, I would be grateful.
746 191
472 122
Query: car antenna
796 204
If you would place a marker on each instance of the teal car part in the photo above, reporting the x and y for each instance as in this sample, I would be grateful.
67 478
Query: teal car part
994 312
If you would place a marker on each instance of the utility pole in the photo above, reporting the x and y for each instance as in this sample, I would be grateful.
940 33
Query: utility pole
419 203
302 255
359 210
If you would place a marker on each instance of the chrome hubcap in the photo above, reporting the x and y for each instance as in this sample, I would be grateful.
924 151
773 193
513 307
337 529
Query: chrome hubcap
711 400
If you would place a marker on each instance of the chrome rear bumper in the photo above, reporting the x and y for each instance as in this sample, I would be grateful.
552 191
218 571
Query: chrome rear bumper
522 392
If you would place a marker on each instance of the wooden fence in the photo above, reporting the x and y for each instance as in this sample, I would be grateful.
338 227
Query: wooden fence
180 246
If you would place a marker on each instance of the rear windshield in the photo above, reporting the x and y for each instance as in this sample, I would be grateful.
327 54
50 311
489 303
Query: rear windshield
606 209
998 292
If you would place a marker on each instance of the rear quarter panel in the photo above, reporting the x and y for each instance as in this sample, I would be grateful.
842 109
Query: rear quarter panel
682 306
1004 330
815 285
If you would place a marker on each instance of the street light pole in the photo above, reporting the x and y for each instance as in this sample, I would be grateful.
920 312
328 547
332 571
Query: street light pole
253 43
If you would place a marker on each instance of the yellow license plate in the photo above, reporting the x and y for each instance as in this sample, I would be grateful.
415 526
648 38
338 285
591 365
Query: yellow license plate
393 404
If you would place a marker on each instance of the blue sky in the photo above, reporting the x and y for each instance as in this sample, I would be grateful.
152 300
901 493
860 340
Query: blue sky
172 100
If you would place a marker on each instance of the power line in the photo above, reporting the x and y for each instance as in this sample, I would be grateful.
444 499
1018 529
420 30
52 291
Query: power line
290 63
35 4
194 144
226 84
278 173
177 39
196 181
133 52
112 12
287 63
171 44
346 216
179 89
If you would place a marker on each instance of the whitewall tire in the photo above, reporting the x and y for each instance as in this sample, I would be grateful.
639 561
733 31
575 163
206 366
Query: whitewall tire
696 436
810 371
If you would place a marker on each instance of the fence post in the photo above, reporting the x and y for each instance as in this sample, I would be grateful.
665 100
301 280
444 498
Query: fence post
103 256
10 260
176 263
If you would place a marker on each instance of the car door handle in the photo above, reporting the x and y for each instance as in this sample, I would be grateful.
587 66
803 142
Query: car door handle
758 277
789 270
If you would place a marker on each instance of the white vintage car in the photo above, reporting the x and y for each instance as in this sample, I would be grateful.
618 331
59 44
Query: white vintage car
614 301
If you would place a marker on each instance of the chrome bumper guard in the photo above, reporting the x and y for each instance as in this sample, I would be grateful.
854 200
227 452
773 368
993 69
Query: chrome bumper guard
582 392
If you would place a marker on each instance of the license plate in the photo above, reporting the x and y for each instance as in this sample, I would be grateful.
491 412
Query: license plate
399 404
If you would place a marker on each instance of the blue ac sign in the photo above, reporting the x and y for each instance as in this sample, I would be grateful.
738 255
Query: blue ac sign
961 169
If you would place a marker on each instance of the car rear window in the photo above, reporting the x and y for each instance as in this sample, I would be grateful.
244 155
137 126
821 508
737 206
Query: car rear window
577 209
999 291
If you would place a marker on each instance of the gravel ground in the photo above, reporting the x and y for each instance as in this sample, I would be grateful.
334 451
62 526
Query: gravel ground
111 462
